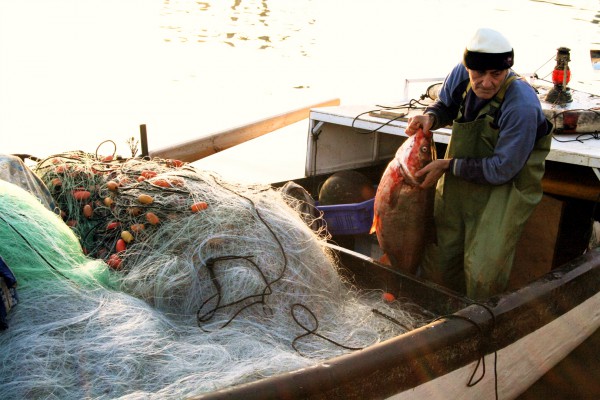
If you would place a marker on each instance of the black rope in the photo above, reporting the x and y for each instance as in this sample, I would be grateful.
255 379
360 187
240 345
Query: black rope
282 250
390 318
314 330
485 345
210 265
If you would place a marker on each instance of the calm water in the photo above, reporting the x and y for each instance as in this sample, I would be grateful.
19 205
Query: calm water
76 72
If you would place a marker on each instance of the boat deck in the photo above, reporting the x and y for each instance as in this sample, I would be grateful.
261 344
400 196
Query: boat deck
573 164
569 148
291 152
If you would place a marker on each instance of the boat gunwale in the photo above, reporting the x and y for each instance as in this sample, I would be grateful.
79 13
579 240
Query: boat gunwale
432 350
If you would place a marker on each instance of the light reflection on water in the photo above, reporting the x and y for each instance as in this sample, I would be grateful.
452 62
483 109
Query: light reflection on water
256 24
74 73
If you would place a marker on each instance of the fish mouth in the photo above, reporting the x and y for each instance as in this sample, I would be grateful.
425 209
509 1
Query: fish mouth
408 177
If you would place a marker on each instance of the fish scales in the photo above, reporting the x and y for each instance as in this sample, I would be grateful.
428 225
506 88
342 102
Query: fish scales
403 211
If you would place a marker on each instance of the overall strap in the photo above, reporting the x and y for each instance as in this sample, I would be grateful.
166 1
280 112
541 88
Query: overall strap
494 105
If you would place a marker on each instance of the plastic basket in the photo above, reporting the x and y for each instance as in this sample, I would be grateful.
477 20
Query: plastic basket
348 219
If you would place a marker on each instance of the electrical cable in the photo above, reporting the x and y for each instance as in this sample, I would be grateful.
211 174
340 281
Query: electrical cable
408 106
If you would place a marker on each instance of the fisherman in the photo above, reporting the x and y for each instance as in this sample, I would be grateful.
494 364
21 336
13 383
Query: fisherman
490 179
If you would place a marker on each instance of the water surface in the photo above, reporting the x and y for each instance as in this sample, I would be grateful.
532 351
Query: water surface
76 72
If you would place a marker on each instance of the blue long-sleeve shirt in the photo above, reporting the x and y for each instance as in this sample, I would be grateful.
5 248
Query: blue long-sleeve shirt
8 292
520 120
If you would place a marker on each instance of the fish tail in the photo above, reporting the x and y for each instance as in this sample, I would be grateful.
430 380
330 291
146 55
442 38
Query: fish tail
374 226
385 259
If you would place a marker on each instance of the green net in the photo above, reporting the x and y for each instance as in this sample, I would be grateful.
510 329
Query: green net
38 245
216 284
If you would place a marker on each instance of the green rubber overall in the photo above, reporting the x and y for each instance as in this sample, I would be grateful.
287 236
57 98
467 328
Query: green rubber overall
478 226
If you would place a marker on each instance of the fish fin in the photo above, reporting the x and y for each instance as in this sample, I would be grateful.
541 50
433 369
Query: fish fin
384 259
374 226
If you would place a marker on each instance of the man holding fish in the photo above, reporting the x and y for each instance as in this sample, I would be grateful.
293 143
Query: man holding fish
490 179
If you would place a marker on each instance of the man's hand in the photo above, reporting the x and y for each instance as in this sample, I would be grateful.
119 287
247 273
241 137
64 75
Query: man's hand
432 172
424 121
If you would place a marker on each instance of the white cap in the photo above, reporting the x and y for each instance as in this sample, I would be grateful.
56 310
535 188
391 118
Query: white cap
488 49
489 41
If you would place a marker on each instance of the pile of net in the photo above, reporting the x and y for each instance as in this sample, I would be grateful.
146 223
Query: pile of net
164 281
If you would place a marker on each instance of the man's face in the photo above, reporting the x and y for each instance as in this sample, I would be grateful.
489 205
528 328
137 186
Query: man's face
486 84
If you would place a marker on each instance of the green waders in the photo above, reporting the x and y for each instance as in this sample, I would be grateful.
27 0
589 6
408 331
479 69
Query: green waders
478 226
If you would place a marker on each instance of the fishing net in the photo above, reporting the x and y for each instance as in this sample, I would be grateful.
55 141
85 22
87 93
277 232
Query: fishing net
37 245
216 284
14 170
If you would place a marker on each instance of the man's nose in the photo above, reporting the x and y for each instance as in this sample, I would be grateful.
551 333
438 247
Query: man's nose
487 81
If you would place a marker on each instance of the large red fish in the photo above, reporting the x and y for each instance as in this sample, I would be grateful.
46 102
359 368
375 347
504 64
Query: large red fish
403 210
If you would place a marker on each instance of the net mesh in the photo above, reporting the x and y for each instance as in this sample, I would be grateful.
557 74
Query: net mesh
210 284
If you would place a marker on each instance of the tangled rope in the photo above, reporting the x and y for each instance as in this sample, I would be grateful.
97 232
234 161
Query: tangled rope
227 285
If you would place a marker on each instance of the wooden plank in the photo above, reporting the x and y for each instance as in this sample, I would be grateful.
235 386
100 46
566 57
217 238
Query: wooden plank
535 251
199 148
570 189
519 365
571 181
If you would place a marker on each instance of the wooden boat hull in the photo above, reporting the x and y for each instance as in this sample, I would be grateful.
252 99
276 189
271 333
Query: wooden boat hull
520 335
520 364
523 334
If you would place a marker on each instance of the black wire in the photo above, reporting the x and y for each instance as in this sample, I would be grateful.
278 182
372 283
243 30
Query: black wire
408 106
535 75
24 156
580 138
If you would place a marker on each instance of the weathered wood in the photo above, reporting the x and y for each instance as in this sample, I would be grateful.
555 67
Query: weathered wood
199 148
534 256
531 329
144 140
571 181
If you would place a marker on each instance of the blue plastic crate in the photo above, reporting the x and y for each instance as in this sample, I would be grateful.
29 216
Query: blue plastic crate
349 219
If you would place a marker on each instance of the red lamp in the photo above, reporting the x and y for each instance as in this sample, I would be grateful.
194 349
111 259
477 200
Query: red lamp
561 75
